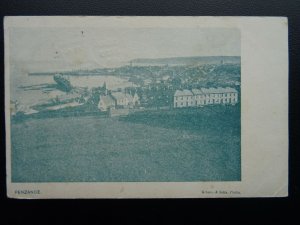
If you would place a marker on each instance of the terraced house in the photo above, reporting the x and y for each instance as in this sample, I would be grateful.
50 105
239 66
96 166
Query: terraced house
205 96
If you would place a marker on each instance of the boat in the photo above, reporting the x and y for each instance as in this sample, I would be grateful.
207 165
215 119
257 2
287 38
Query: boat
63 83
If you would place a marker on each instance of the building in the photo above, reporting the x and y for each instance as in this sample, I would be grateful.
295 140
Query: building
199 97
183 98
106 102
118 100
121 99
125 100
136 99
205 96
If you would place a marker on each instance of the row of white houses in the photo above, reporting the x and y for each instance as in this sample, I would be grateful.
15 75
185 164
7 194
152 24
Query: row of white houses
205 96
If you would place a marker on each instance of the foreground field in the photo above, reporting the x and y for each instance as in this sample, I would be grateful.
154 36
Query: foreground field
199 145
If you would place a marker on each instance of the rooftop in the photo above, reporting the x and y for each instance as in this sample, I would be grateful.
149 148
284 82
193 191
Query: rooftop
108 100
183 93
218 90
121 96
197 92
118 95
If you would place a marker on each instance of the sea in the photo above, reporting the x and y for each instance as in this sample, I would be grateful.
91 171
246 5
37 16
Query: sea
28 97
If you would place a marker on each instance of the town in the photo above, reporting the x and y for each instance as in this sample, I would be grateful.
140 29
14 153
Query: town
154 87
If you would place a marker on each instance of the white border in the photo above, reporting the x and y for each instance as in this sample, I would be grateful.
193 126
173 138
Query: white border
264 108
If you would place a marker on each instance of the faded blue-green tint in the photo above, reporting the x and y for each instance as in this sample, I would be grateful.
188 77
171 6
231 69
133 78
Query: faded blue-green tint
139 116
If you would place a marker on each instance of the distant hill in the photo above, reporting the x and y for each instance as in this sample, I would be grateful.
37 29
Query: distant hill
197 60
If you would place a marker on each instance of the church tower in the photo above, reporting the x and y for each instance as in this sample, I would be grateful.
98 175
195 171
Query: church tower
104 88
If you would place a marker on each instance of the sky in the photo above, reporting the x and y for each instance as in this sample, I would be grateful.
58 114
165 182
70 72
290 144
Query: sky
53 49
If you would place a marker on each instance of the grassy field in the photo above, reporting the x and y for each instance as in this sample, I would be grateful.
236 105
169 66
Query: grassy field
178 145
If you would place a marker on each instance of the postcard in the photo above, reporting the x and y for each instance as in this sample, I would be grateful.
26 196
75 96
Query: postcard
146 107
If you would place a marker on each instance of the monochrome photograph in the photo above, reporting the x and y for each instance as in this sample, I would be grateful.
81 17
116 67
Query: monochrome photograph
112 104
